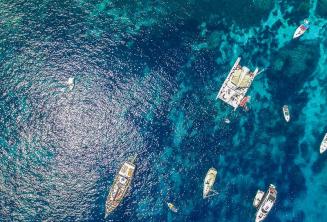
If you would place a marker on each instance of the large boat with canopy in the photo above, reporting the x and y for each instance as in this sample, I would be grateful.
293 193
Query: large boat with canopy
236 85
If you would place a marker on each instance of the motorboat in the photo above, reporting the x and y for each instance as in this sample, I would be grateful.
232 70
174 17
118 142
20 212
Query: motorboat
301 29
264 202
286 113
209 181
236 85
120 186
323 145
258 197
172 207
71 83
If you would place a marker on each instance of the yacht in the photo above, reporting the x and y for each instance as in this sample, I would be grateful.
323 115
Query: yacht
301 29
264 202
172 207
236 85
209 181
120 186
323 145
286 113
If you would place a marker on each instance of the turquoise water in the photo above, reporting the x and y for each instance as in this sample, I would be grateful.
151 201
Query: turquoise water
146 77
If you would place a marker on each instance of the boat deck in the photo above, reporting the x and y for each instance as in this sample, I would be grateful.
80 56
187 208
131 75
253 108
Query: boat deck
236 84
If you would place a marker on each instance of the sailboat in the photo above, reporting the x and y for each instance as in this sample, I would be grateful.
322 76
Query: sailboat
301 29
209 181
120 186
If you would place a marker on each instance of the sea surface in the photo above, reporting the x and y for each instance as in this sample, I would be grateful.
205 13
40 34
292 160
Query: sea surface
146 78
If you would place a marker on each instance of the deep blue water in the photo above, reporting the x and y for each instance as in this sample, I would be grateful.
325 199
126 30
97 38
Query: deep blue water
146 77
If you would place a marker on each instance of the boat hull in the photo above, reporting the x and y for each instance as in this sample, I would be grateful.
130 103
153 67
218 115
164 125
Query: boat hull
209 180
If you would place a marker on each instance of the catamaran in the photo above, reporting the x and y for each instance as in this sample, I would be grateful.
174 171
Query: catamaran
264 202
209 180
172 207
301 29
120 186
286 113
323 145
236 85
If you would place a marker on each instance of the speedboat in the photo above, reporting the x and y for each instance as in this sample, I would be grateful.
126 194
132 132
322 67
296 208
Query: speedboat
301 29
120 186
71 83
172 207
236 85
286 113
323 145
209 180
264 202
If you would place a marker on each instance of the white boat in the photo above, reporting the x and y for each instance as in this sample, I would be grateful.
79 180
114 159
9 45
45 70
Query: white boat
227 121
236 85
71 83
172 207
286 113
209 181
264 202
258 197
301 29
323 145
120 186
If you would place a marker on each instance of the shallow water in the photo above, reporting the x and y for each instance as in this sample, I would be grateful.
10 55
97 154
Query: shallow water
146 77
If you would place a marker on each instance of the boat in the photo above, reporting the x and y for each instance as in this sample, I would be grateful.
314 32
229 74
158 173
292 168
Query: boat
71 83
264 202
258 198
323 145
227 121
301 29
209 181
172 207
236 85
286 113
120 186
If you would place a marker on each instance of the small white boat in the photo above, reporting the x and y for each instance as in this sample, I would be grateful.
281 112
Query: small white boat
172 207
71 83
209 180
323 145
264 202
286 113
227 121
301 29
